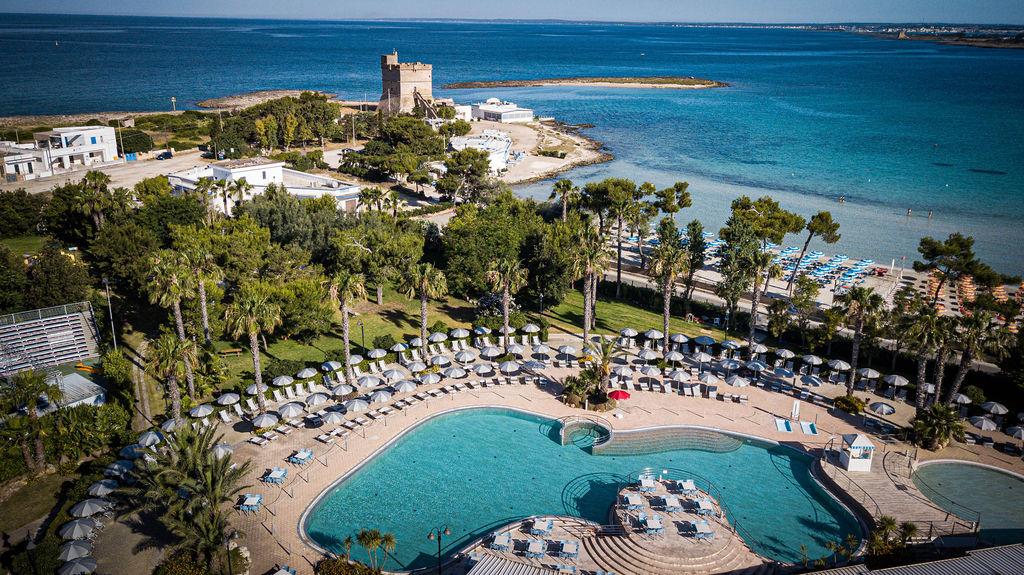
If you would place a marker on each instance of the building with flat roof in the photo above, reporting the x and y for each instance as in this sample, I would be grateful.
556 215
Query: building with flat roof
402 83
497 144
259 173
495 110
57 151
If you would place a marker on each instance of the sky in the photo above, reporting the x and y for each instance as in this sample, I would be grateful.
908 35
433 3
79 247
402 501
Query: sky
766 11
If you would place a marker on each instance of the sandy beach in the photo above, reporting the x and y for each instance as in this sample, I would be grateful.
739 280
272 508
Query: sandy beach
536 136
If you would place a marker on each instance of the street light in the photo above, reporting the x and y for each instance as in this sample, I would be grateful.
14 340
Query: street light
438 533
110 312
362 334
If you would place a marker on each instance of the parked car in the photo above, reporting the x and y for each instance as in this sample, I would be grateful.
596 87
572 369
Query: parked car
165 155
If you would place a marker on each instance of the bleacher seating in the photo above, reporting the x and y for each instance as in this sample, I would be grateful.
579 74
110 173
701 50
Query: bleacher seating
47 337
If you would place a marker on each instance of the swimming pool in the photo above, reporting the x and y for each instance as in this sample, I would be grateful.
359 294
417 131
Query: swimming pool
964 489
475 470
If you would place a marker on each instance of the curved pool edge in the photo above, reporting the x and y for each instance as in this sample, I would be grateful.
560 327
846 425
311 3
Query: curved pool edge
988 466
304 517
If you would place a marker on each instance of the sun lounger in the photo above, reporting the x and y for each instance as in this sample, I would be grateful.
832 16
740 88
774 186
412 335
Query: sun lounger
541 526
225 417
238 411
278 398
250 405
289 392
783 425
258 441
809 428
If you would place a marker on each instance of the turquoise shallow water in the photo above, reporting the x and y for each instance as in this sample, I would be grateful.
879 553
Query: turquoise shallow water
997 496
479 469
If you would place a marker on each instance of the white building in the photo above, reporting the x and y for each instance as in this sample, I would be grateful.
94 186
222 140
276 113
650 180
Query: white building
494 110
58 150
497 144
259 173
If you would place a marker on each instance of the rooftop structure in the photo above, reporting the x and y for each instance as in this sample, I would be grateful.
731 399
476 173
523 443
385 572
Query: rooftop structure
497 144
404 84
259 173
495 110
1004 560
58 150
47 337
76 390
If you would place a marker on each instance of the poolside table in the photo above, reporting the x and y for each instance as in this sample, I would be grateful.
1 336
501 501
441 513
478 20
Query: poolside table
541 526
672 503
535 548
704 506
569 549
646 485
687 486
653 524
633 501
277 475
502 542
703 530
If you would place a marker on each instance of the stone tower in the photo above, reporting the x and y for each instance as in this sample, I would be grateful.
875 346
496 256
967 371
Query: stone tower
400 81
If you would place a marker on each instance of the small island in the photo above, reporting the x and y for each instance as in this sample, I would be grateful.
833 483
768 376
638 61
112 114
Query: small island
643 82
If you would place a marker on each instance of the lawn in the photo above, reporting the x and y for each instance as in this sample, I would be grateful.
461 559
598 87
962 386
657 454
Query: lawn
613 316
24 244
33 500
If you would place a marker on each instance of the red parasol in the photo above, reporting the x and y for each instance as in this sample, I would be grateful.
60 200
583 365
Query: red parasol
619 395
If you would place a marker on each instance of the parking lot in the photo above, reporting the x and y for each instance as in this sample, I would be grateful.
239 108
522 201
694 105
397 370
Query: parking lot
121 175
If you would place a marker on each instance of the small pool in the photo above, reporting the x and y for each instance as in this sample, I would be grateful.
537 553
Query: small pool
968 490
475 470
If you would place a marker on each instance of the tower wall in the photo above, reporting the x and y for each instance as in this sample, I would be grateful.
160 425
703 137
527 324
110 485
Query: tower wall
400 81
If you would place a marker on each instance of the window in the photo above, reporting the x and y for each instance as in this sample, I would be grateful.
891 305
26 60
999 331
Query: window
92 140
264 174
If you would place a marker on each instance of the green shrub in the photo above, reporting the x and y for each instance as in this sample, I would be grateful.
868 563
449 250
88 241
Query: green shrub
439 326
428 209
341 566
179 145
385 341
849 404
276 367
132 140
181 563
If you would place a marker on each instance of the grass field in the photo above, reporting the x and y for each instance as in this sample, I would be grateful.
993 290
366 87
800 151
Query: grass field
33 500
24 244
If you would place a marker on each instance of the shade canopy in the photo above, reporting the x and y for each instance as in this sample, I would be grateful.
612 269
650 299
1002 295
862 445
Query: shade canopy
783 373
282 380
508 367
376 353
454 372
343 389
533 364
811 380
811 359
290 410
737 381
731 344
405 386
253 389
132 451
228 399
708 378
416 366
729 364
650 370
1015 432
619 395
430 378
674 356
704 340
465 356
459 333
315 399
994 408
483 369
74 550
868 373
567 350
440 360
80 566
784 353
222 450
392 374
398 347
961 399
102 488
759 348
368 381
882 408
628 332
983 423
355 359
701 357
171 424
481 330
201 410
331 365
77 528
306 373
380 396
491 351
647 354
89 507
678 338
507 329
416 342
264 420
332 418
653 334
515 348
437 337
622 370
756 366
838 365
150 438
542 349
356 405
531 328
895 380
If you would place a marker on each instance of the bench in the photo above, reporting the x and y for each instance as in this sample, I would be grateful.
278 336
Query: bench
231 351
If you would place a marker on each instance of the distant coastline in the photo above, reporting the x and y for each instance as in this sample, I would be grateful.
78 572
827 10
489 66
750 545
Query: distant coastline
642 82
953 39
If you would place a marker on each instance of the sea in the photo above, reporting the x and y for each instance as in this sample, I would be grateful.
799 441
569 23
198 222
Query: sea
918 138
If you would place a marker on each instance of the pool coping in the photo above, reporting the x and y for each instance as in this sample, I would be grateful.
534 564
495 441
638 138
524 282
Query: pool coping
303 518
947 461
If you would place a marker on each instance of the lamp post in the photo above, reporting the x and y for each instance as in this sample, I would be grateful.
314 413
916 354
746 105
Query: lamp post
362 335
110 312
438 533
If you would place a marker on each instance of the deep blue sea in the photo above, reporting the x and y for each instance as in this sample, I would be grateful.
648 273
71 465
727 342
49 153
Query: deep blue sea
811 116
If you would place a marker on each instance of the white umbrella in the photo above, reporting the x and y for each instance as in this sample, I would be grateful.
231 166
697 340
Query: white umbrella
376 353
440 360
628 332
674 356
464 356
994 408
730 364
483 369
678 338
264 420
392 374
228 399
882 408
701 357
405 386
650 370
416 366
811 360
490 351
653 334
704 340
102 488
454 372
983 423
507 330
961 399
737 381
416 342
282 380
290 410
1015 432
379 396
355 359
708 378
331 365
343 389
222 450
730 344
332 418
253 389
516 348
679 375
74 550
647 355
356 405
622 370
368 381
783 373
811 380
758 348
437 337
868 373
533 364
481 330
895 380
119 467
171 424
567 350
784 353
459 333
150 438
541 349
508 367
315 399
89 507
80 566
430 378
77 528
838 365
929 388
399 347
756 366
306 373
201 411
531 328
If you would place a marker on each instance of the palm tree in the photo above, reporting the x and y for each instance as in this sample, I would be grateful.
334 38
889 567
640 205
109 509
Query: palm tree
370 540
194 247
668 262
426 282
168 285
394 202
253 313
508 277
204 190
926 333
936 426
94 197
224 187
638 219
858 306
239 188
976 334
568 193
589 263
604 354
387 544
168 357
23 391
371 198
346 288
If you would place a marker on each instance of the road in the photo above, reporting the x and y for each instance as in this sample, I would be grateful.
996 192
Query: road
121 175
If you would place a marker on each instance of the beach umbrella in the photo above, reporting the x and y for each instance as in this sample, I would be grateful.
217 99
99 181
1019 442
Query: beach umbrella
133 451
228 399
171 424
567 350
77 528
678 338
459 333
531 328
416 366
756 366
516 348
282 380
619 395
405 386
264 420
868 373
332 418
811 359
481 330
89 507
647 354
356 405
491 351
253 389
331 365
961 399
315 399
758 348
454 372
483 369
704 340
119 467
650 370
838 365
678 375
368 381
508 367
729 364
674 356
628 332
622 370
305 373
983 423
895 380
437 337
708 378
882 408
464 356
398 347
379 396
80 566
376 353
731 344
1015 432
533 364
201 411
737 381
701 357
416 342
392 374
222 450
290 410
811 380
653 334
994 408
150 438
354 359
74 550
102 488
342 389
784 353
430 378
440 360
541 349
506 329
784 373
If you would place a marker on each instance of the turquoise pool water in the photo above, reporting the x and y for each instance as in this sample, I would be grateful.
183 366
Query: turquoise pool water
474 470
997 496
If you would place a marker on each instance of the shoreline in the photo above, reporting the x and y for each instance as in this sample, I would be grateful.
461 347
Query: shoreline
535 168
254 98
950 40
645 83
